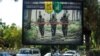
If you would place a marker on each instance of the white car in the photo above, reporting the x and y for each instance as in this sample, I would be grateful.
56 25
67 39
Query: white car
47 54
67 54
28 52
56 54
71 53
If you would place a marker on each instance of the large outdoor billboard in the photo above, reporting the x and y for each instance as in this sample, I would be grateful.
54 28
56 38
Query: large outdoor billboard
52 22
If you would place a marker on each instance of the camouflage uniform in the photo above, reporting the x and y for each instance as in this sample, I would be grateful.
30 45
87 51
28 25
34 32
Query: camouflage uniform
64 21
53 22
41 25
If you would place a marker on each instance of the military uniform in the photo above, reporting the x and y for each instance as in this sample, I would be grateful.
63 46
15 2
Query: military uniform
41 25
53 22
64 21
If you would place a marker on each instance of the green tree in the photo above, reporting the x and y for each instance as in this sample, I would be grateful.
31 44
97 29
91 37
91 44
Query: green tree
90 17
12 35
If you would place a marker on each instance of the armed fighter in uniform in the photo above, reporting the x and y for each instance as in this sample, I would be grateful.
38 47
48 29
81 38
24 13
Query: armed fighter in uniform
53 22
64 21
41 24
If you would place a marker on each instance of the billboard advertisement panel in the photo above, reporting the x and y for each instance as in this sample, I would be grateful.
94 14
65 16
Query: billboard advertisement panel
52 22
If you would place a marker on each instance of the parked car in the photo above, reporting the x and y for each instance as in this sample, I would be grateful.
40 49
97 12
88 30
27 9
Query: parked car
47 54
57 53
36 52
4 54
29 52
71 53
53 54
67 54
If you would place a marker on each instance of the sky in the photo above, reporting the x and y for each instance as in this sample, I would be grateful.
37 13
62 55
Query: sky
11 12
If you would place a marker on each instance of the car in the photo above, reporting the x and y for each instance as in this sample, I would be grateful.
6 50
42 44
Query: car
57 53
67 54
29 52
36 52
54 54
48 54
4 54
71 53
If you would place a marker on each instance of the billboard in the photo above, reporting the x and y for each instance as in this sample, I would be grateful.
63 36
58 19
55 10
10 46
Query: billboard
52 22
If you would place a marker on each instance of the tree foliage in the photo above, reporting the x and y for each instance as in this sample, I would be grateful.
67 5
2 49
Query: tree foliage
12 36
92 18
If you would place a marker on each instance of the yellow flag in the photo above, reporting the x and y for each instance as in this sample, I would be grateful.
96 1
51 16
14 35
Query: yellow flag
48 7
